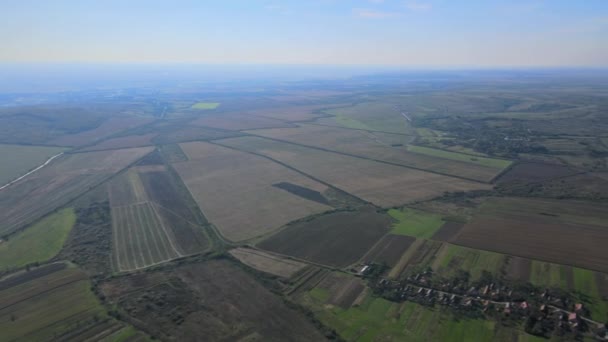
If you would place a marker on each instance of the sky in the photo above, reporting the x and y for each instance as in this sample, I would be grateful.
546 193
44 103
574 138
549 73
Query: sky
417 33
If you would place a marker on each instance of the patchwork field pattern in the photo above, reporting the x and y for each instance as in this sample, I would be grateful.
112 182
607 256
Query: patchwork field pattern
382 147
381 184
235 190
52 303
566 232
151 222
64 179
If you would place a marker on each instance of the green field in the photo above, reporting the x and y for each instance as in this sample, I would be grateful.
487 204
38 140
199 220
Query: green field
451 258
377 319
205 105
489 162
415 223
42 308
39 242
18 160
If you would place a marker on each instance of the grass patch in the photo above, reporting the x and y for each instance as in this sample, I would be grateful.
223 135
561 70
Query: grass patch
489 162
350 123
415 223
39 242
474 261
205 105
18 160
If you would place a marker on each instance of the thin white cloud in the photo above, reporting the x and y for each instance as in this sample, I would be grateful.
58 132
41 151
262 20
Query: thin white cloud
418 6
373 14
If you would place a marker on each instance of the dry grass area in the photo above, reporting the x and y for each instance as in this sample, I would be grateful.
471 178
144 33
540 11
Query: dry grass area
235 190
107 128
56 184
267 262
238 122
377 146
566 232
381 184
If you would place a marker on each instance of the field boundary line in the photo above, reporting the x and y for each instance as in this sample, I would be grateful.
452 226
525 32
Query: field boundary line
130 239
145 237
370 159
155 233
115 238
44 292
136 229
165 231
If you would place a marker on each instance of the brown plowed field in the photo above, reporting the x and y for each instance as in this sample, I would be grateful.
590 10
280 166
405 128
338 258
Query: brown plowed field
235 190
373 146
381 184
535 172
519 268
565 232
337 239
389 249
123 142
343 289
448 231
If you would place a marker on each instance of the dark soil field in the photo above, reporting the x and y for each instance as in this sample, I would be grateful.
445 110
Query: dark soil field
535 172
342 289
566 232
389 249
215 300
337 239
448 231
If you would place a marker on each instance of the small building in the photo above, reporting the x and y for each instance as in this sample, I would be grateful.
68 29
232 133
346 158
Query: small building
578 307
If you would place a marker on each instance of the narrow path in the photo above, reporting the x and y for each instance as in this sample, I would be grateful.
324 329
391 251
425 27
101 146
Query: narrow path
29 173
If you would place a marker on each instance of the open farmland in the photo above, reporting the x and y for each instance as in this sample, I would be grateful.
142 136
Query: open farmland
238 122
123 142
290 113
64 179
214 299
415 223
19 159
151 224
51 303
39 242
387 148
267 262
337 239
105 129
372 116
235 190
381 184
140 239
389 249
567 232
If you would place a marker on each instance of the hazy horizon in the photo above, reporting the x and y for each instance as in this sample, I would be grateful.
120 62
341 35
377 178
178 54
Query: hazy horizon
395 33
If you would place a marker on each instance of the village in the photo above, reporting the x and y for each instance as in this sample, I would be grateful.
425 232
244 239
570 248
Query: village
544 312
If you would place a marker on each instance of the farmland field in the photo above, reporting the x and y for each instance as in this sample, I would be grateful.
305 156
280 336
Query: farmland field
235 190
415 223
267 262
374 116
19 159
215 299
64 179
337 239
567 232
386 147
51 306
389 249
237 122
381 184
39 242
489 162
107 128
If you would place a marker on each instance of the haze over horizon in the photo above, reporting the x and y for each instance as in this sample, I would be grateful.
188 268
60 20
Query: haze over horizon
417 34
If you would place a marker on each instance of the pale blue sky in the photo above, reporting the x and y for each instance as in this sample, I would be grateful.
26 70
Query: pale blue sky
434 33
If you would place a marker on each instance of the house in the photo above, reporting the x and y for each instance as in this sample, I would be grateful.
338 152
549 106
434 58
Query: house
523 305
578 307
